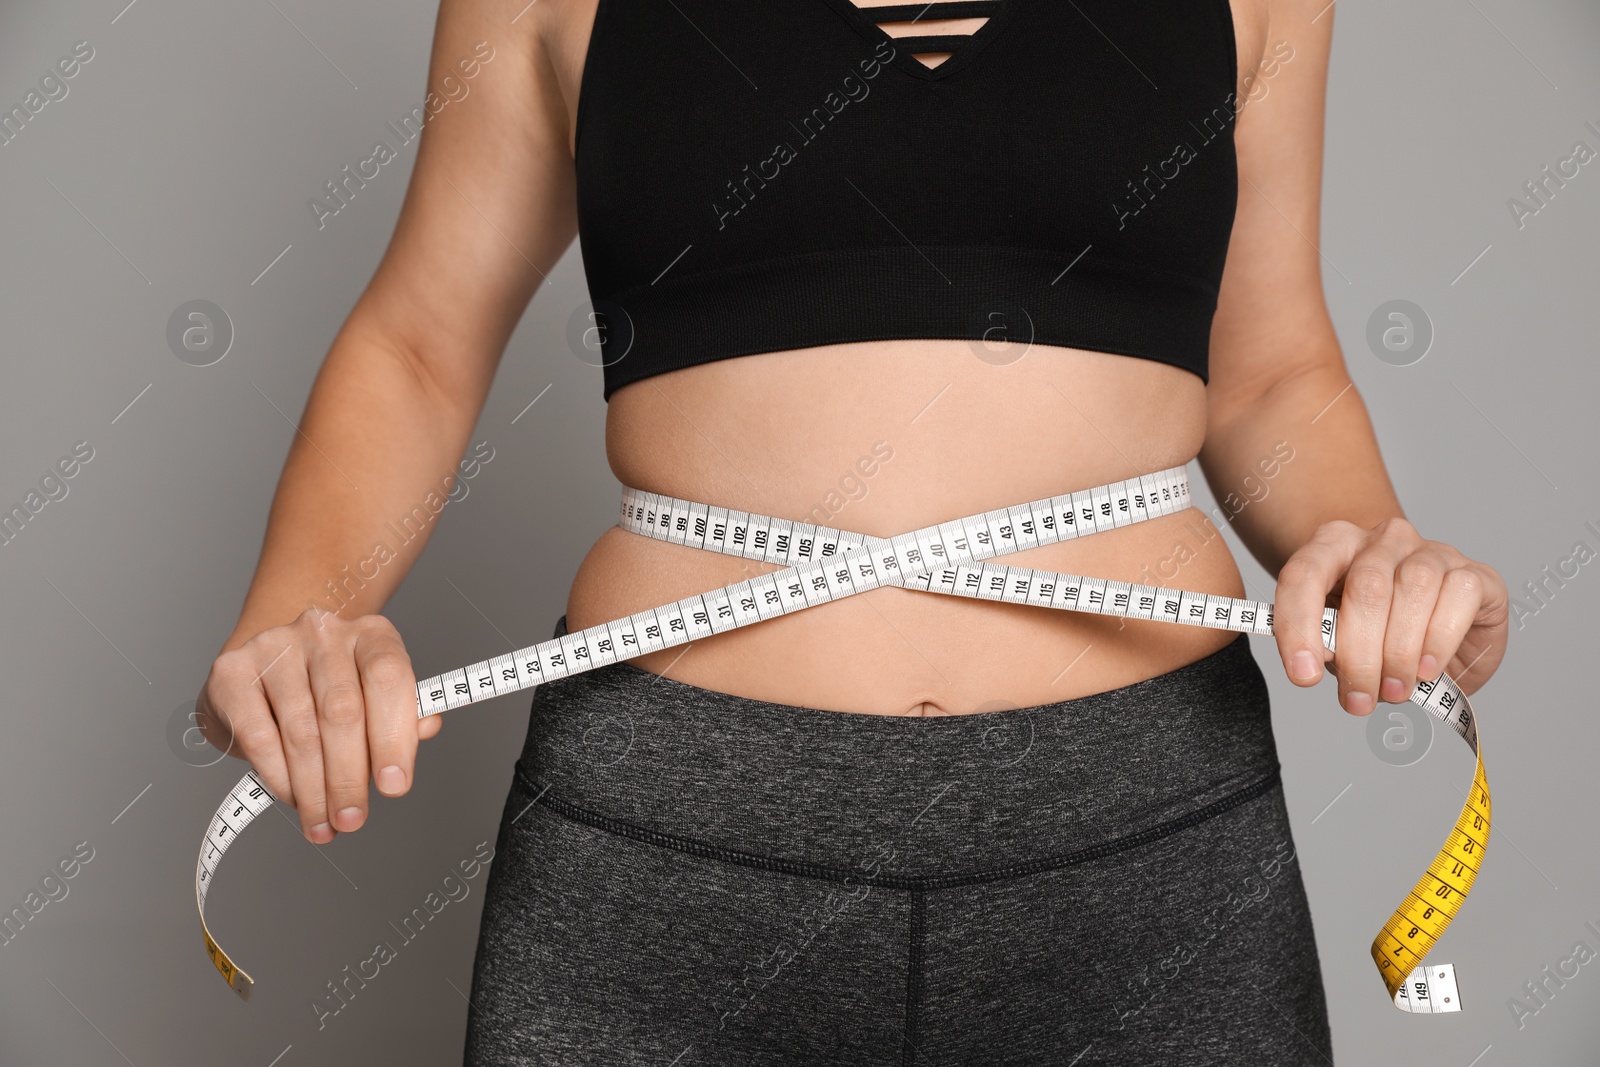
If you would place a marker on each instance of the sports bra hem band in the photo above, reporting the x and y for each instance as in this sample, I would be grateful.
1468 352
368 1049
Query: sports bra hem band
849 295
1046 256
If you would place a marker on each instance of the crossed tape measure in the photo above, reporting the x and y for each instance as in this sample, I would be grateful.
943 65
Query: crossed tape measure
821 564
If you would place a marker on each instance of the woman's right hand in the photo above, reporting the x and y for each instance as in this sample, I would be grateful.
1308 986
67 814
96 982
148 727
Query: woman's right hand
315 707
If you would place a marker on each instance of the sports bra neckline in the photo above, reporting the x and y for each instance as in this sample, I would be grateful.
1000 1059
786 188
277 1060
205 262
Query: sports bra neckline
903 59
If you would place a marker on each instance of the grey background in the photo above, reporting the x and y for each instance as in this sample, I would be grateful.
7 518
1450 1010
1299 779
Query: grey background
178 168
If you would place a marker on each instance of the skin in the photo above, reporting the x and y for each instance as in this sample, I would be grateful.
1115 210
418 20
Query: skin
319 701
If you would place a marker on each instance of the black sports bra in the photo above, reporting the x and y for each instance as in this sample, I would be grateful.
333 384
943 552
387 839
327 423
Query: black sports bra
763 175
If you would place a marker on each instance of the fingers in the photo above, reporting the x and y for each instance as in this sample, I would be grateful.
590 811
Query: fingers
429 727
390 691
342 720
1365 604
288 690
1407 607
1304 583
1461 599
1417 581
236 718
318 706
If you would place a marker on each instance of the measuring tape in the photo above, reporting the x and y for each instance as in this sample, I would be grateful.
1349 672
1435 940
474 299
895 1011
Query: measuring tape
821 564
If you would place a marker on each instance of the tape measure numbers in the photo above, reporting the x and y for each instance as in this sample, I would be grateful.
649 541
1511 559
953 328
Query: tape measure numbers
821 564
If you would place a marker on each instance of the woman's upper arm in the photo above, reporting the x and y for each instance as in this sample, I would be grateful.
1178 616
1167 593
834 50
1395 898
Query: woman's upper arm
491 203
1272 319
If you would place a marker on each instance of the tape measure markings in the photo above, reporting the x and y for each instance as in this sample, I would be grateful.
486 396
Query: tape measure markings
822 564
808 581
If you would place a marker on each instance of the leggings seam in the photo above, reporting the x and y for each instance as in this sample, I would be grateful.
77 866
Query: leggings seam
823 872
915 938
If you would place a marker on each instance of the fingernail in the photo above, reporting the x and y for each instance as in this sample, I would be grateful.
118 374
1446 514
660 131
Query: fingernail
1303 666
1428 668
1393 690
348 819
391 780
1358 703
322 833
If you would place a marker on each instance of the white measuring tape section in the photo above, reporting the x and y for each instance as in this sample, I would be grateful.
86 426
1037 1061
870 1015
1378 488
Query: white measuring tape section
822 564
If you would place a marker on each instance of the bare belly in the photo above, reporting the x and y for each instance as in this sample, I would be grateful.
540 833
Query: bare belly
888 436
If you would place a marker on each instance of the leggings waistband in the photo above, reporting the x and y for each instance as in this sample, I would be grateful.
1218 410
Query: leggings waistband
900 800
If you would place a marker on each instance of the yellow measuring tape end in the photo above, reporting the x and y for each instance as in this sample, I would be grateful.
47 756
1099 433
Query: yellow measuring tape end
237 980
1422 917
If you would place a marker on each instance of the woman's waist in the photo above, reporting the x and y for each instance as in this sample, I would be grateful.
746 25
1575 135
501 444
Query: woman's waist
903 651
622 748
890 435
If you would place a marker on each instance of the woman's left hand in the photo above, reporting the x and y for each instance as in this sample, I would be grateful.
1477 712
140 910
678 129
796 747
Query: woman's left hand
1409 609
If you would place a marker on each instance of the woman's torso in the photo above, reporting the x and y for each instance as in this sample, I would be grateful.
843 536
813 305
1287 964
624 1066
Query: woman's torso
927 430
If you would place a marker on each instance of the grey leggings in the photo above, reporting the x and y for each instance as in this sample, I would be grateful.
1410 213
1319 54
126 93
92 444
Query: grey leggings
686 877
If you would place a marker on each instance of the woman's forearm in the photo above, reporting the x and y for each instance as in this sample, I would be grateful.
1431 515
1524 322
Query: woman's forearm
1334 471
367 476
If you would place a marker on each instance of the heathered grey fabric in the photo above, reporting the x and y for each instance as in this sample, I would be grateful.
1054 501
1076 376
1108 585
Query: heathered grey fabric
687 877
